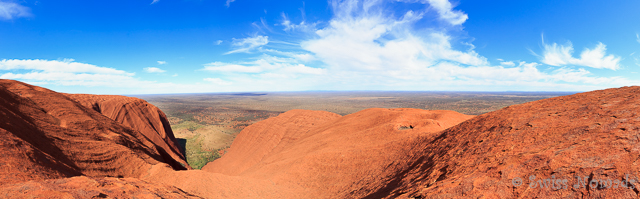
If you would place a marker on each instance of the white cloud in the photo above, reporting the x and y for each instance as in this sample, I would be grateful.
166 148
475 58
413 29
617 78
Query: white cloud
524 72
66 72
302 26
66 65
303 57
217 81
445 11
365 46
247 44
306 57
507 63
154 1
229 2
524 75
638 38
174 75
153 70
10 10
67 78
74 77
302 69
263 27
266 64
226 67
583 76
359 38
162 62
218 42
561 55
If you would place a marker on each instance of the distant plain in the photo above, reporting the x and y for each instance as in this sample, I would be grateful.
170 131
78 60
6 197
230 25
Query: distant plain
206 124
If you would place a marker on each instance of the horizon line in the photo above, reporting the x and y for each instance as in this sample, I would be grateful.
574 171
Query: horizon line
337 91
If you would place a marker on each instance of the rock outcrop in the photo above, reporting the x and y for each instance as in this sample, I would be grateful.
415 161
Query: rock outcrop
138 114
47 135
582 145
328 156
90 187
585 145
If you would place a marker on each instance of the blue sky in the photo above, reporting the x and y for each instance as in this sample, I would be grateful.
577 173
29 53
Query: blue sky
193 46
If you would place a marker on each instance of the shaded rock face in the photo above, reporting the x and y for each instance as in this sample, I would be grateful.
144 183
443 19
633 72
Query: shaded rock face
89 187
138 114
585 145
582 145
45 135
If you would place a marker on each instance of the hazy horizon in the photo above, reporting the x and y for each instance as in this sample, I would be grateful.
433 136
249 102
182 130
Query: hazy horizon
256 93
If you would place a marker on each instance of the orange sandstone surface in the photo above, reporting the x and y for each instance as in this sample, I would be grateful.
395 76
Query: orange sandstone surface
139 115
90 187
585 145
328 156
84 146
47 135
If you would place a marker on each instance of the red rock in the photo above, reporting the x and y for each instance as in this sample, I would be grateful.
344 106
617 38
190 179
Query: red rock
138 114
328 156
374 153
47 135
89 187
594 135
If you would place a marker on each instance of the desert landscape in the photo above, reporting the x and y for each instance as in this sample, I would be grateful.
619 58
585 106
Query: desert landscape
296 99
84 146
205 125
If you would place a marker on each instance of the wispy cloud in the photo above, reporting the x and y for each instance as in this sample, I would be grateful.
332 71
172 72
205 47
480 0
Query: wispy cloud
153 70
561 55
227 67
154 1
246 45
370 45
507 63
65 65
10 10
303 26
229 2
302 57
263 26
445 10
65 72
266 64
638 38
359 38
218 42
218 81
162 62
70 76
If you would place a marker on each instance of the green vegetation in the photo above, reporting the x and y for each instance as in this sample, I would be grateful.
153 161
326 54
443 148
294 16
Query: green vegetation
196 156
246 118
189 125
230 113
